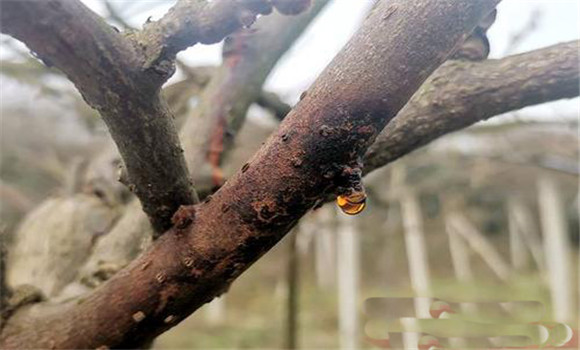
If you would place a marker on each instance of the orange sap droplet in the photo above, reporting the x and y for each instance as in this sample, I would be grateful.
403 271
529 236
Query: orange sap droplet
352 204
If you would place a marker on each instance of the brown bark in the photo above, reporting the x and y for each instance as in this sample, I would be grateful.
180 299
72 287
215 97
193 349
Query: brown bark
120 76
312 154
462 93
192 21
236 84
105 67
248 57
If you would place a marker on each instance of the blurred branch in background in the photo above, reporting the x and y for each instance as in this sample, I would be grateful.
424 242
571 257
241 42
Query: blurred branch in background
556 248
291 340
523 234
348 281
516 38
272 102
469 232
115 15
248 57
416 248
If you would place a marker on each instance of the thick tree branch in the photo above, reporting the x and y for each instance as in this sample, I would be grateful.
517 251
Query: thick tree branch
312 154
462 93
105 67
131 234
235 84
121 77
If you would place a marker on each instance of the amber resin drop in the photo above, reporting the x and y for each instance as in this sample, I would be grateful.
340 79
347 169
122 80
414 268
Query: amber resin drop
351 204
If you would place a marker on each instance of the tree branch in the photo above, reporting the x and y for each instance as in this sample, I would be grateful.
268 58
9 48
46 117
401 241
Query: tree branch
121 78
312 154
248 57
274 103
114 15
235 84
193 21
105 68
462 93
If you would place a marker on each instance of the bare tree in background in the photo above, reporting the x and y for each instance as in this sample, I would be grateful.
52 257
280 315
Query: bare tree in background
417 67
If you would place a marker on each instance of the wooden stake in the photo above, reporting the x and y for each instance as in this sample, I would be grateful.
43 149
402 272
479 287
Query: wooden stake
348 279
556 248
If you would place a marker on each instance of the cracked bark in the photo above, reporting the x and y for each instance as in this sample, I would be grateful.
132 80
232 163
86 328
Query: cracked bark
367 83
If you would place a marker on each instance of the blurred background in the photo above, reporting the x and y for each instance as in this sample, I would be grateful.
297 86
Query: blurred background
477 219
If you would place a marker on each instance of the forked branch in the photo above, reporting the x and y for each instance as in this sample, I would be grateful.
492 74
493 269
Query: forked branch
461 93
317 147
120 76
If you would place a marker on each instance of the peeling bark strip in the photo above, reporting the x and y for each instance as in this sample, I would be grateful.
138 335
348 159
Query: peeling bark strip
377 71
462 93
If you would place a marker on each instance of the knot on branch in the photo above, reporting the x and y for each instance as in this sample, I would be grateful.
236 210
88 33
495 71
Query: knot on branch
183 217
346 179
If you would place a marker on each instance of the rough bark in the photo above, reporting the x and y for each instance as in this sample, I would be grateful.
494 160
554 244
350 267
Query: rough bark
236 84
248 57
315 151
193 21
462 93
105 67
120 76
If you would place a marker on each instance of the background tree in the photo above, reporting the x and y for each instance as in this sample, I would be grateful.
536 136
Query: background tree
325 144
